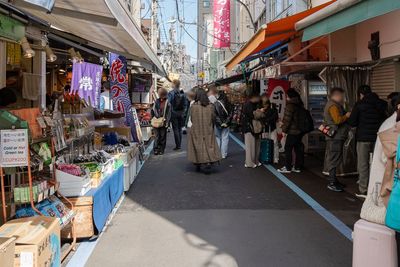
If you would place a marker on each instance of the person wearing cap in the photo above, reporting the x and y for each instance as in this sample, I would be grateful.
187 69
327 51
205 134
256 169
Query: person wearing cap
367 116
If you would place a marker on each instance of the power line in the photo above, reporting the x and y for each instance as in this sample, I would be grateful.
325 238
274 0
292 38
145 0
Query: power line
197 41
163 26
203 28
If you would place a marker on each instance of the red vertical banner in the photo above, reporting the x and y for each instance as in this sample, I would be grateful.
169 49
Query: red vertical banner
276 92
222 23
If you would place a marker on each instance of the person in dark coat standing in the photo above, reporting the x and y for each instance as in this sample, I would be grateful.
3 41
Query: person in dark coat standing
202 143
367 115
179 104
161 108
294 136
251 139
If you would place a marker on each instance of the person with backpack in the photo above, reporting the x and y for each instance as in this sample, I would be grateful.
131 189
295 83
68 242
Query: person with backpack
223 118
179 104
367 116
292 127
161 110
335 117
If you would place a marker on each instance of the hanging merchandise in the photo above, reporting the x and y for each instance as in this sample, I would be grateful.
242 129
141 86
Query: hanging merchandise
86 81
119 91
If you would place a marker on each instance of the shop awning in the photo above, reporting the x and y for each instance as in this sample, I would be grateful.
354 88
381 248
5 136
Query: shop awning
270 34
106 24
359 11
231 79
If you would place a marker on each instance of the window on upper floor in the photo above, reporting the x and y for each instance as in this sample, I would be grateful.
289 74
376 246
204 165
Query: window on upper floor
206 3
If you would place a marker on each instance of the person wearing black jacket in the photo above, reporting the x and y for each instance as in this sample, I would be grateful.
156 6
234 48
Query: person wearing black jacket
251 139
294 136
223 118
367 115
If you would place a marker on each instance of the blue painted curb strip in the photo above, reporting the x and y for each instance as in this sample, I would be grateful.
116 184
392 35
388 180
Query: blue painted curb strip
328 216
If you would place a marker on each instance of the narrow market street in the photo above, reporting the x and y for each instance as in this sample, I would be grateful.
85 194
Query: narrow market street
232 217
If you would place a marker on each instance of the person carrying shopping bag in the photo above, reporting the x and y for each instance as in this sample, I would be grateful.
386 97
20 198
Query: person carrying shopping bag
161 116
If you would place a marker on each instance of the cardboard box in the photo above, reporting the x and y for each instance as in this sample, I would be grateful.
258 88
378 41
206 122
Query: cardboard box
7 248
38 241
83 208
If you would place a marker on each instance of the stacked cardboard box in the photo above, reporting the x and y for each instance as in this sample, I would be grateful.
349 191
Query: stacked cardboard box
37 243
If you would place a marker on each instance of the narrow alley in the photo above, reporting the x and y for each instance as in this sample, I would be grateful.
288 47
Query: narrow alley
232 217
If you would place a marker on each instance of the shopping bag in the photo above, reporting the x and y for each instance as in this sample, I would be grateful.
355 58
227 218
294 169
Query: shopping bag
373 209
392 219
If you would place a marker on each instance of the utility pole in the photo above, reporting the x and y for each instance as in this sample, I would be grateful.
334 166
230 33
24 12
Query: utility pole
154 25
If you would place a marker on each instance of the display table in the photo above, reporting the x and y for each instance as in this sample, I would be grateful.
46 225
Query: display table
106 196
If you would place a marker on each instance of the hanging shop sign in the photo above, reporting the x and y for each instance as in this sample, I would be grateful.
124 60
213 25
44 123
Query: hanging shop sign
14 148
119 91
86 80
11 28
222 23
276 92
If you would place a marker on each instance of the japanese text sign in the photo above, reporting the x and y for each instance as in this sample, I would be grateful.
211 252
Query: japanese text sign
86 79
119 91
277 94
14 148
222 23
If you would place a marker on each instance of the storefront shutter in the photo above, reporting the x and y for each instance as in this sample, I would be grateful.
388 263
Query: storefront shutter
383 79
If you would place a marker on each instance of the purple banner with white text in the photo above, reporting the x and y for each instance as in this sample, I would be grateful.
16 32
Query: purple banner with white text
86 79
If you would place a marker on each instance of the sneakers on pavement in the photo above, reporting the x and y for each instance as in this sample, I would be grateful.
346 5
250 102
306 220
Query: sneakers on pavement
176 148
296 170
335 187
284 170
255 166
360 194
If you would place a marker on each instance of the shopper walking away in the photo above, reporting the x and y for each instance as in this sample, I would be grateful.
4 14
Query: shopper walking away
179 105
202 144
270 120
294 135
190 96
252 130
223 114
161 110
367 115
336 118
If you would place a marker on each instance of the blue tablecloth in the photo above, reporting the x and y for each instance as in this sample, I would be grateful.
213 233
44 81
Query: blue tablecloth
106 196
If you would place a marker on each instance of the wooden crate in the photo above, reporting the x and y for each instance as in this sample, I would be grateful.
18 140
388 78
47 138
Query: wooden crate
84 228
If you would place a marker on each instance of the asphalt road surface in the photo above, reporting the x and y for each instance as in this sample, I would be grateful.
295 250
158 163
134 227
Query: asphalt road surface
175 217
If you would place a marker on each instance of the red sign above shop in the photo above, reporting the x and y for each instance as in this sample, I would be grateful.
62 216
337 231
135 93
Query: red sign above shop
222 23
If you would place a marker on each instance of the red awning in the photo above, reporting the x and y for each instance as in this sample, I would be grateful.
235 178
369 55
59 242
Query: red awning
271 33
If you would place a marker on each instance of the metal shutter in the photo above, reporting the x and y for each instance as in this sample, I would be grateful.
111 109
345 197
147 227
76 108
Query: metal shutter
383 79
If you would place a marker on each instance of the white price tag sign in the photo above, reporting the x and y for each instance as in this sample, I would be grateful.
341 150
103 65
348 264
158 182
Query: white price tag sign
14 148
